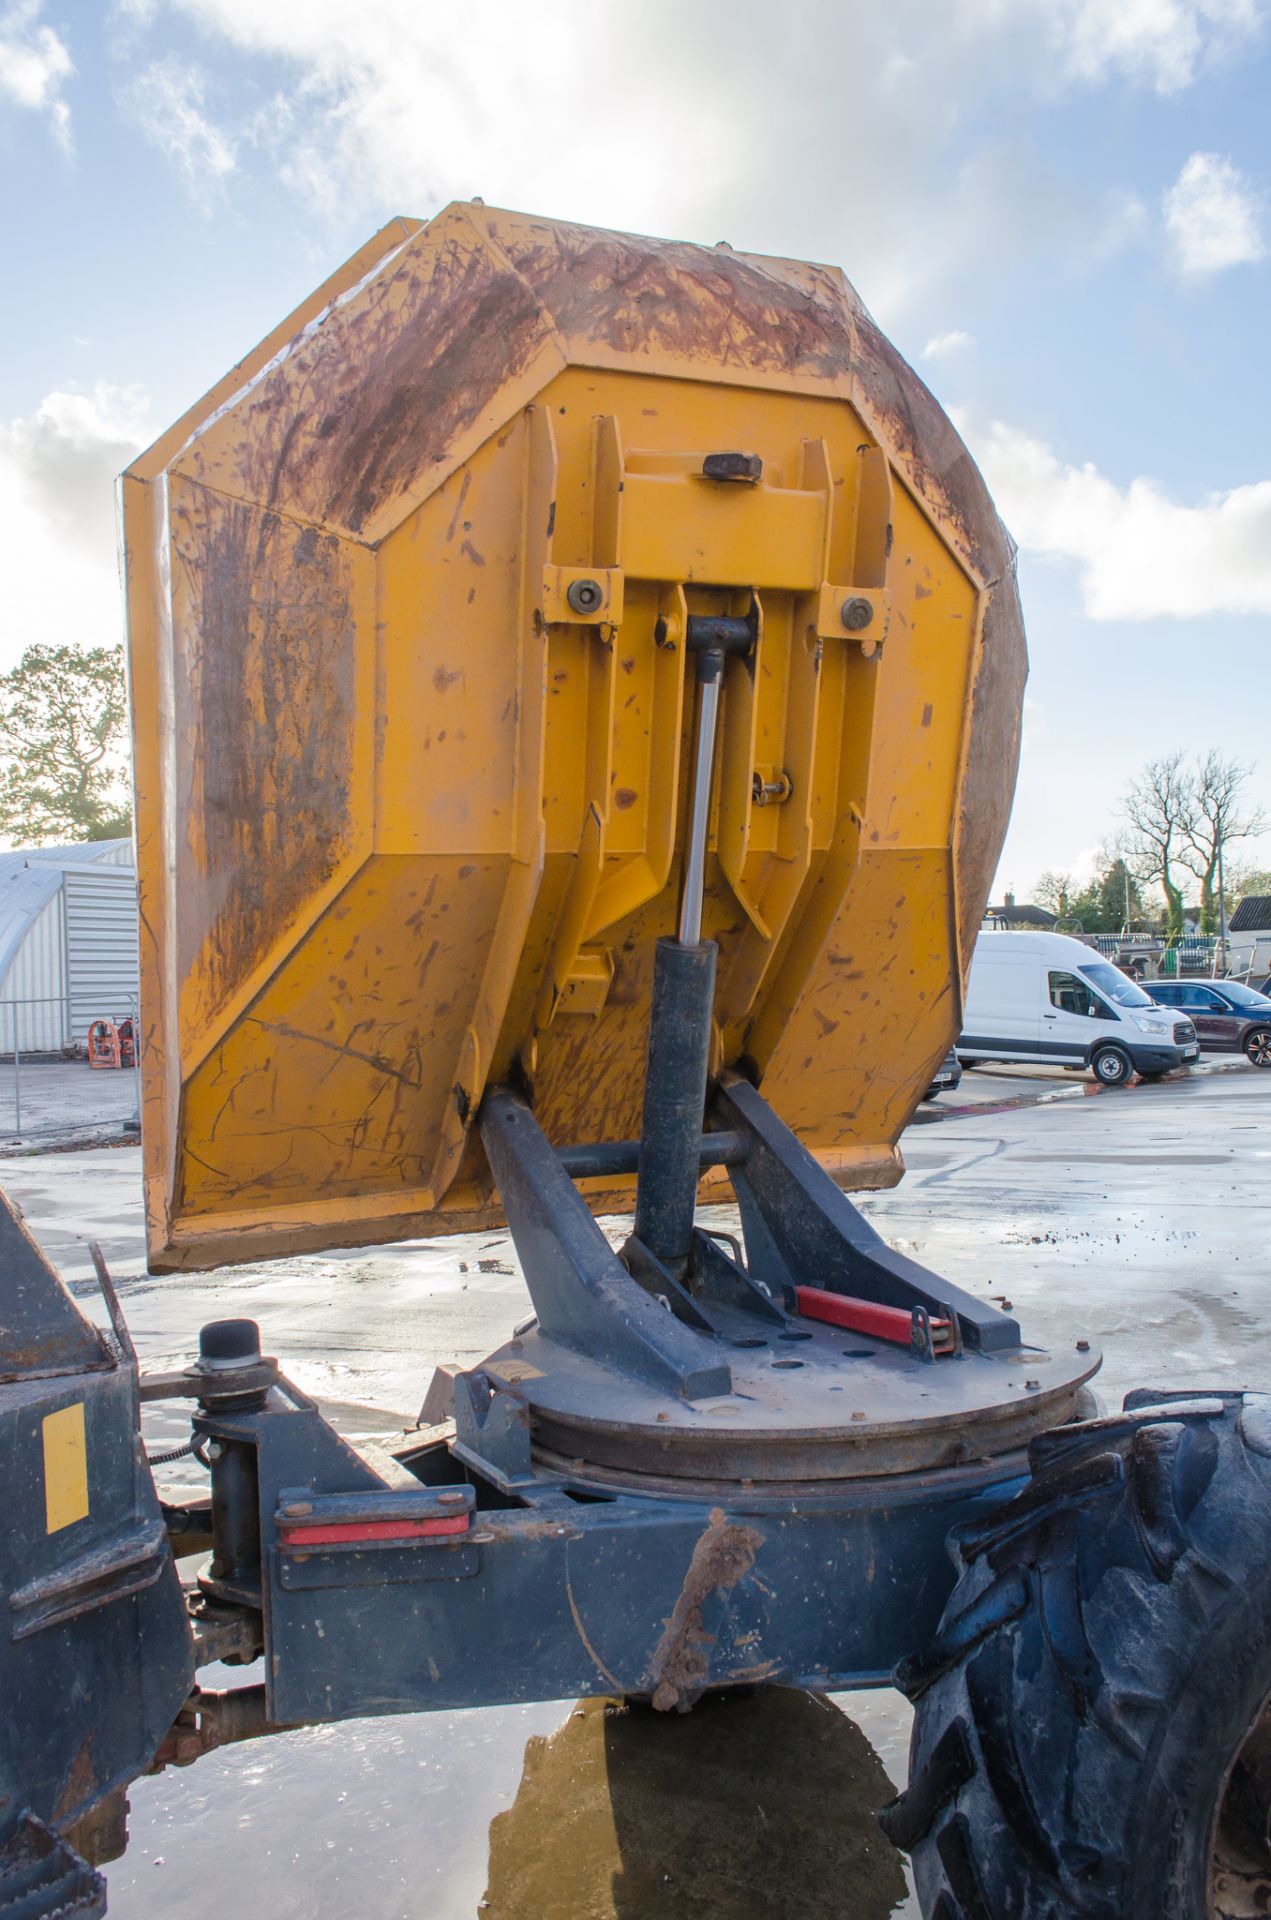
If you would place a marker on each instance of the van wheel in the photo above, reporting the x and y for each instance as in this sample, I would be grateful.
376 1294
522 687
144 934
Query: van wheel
1258 1047
1092 1738
1112 1066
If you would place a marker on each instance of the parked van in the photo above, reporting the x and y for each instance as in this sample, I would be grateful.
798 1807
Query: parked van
1048 998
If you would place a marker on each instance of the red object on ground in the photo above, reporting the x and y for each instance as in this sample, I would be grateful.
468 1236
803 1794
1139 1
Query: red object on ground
337 1533
863 1316
104 1049
112 1044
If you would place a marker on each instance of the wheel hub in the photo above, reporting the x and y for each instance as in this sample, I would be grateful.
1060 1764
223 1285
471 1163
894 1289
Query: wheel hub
1240 1863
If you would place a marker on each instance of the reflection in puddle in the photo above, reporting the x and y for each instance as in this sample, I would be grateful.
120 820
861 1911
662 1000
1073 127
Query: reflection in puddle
750 1807
383 1819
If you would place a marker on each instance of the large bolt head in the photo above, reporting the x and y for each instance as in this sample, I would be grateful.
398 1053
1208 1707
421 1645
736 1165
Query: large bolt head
585 596
856 613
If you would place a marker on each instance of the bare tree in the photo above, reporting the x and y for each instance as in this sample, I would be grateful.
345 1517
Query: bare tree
1215 820
1160 806
1246 882
1054 891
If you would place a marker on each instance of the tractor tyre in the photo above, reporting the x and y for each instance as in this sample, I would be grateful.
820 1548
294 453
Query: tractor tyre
1092 1738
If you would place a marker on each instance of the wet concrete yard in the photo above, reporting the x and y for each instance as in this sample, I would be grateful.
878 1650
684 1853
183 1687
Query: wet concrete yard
1137 1218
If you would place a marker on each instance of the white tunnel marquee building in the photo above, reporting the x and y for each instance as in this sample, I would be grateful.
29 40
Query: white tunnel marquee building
68 943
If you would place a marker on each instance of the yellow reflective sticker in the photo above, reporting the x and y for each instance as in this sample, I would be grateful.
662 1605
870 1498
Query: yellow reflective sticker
65 1468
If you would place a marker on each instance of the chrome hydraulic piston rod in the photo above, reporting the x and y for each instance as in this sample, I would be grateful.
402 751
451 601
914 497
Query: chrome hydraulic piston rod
678 1054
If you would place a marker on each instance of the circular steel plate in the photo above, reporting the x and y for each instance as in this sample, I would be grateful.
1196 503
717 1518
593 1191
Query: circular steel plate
830 1407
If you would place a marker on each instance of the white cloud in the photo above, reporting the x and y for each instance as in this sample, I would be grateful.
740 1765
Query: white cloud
580 113
167 100
942 345
1212 216
1163 44
391 105
57 517
1087 864
1141 555
34 64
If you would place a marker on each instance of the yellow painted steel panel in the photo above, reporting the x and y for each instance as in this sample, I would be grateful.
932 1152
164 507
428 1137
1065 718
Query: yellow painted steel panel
409 821
272 630
298 1101
742 536
65 1468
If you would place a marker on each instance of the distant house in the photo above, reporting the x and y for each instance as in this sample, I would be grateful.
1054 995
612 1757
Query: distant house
68 942
1249 936
1015 914
1252 914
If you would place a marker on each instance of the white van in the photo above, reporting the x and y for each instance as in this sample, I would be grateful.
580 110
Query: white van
1048 998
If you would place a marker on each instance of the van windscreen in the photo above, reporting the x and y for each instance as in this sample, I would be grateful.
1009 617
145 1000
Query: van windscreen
1115 985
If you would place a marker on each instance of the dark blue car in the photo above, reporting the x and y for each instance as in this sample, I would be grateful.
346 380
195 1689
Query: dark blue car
1228 1016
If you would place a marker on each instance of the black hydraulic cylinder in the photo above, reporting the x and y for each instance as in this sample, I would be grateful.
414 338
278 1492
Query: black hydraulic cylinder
674 1098
235 1513
226 1348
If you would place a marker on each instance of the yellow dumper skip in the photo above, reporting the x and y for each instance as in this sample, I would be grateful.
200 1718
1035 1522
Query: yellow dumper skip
406 601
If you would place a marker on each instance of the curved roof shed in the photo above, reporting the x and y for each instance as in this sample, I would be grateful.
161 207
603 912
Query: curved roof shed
68 941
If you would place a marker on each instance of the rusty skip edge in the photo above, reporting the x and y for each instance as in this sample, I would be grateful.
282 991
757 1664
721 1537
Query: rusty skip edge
202 1243
503 285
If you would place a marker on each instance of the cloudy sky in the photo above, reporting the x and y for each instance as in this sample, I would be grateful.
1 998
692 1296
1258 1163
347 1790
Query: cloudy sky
1060 210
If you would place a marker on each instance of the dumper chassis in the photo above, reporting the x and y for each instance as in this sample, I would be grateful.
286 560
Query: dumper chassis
790 1457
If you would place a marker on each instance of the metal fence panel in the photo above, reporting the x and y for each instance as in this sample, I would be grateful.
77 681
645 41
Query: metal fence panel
49 1093
1192 954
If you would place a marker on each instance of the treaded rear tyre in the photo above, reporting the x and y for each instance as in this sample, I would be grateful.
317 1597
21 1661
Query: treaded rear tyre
1103 1659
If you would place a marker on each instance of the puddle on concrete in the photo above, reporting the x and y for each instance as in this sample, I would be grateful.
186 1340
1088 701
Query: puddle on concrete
756 1807
750 1806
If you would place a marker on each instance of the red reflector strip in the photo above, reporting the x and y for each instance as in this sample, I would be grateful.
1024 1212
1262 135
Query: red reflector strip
863 1316
337 1533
